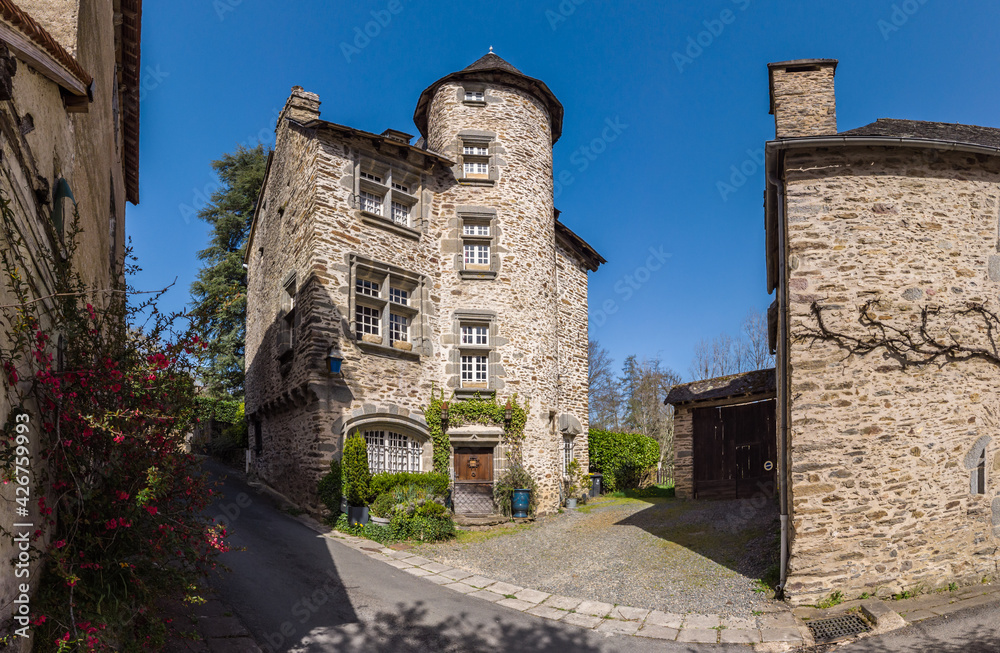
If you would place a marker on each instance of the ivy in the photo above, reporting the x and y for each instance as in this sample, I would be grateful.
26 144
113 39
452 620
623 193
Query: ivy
475 411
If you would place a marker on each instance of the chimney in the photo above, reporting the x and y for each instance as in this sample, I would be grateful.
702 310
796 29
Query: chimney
803 102
302 106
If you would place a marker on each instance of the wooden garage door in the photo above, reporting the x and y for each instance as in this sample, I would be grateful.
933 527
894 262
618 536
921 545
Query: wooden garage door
733 448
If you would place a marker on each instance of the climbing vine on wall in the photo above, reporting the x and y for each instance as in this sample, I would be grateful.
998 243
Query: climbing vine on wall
936 337
474 411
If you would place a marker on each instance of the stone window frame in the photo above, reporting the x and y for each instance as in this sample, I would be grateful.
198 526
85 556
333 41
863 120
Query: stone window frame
392 178
473 88
393 418
478 216
287 318
411 452
476 138
388 276
494 369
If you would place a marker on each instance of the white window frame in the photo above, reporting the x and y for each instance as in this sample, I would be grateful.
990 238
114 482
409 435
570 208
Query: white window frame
399 328
475 369
475 96
476 168
399 296
569 453
476 254
367 287
401 213
391 451
371 177
476 335
371 202
476 149
476 230
367 319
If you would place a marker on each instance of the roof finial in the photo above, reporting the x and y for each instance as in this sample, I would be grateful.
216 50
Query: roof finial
491 49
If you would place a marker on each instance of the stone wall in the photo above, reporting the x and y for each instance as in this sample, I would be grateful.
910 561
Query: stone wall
880 491
41 142
309 223
683 452
802 98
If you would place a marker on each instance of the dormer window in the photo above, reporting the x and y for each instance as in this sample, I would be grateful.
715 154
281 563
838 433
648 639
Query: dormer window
388 192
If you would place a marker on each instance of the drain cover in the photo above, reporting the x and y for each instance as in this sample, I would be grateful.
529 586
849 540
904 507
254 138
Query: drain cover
837 628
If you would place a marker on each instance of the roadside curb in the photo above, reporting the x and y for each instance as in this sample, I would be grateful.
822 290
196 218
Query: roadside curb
779 627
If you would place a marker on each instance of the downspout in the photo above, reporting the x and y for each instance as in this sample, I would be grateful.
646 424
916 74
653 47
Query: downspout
782 372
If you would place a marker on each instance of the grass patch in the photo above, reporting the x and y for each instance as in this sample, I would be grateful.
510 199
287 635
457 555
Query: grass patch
664 491
834 599
474 537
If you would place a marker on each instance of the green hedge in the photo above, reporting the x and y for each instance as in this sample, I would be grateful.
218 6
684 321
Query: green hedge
623 458
357 478
435 482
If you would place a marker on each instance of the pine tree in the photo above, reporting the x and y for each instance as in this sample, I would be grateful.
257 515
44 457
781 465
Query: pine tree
219 293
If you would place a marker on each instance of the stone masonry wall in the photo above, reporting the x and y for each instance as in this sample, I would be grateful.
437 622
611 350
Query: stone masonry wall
804 100
573 383
880 489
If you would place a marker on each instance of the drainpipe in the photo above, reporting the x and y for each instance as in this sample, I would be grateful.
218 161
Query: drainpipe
782 373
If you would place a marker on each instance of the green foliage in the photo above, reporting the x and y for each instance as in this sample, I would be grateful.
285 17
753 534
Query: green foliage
219 293
515 478
665 491
402 527
357 478
623 458
383 505
474 411
331 487
834 599
435 482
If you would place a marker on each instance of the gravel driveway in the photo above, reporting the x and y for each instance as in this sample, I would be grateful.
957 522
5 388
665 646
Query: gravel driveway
665 554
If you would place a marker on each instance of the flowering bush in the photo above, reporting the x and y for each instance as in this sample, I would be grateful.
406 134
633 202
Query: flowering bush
119 503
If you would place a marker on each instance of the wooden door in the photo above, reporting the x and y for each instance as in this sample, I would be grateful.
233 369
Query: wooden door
473 481
735 451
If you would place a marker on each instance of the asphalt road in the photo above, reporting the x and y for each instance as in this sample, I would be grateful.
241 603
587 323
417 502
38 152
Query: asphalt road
299 591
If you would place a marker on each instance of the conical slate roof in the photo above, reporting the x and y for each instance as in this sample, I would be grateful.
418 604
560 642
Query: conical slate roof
491 68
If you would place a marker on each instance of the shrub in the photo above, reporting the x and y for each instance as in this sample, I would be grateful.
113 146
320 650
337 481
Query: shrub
357 478
331 487
515 478
436 482
383 505
623 458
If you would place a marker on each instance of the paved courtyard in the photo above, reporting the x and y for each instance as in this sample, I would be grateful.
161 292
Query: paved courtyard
659 554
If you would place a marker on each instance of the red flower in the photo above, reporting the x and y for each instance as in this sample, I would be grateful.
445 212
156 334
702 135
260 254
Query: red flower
151 510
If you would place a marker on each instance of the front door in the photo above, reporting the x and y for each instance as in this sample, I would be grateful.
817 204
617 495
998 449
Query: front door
473 481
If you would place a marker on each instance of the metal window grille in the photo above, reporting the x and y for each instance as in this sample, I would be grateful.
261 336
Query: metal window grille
477 254
399 296
476 230
399 328
370 176
401 214
405 189
475 335
473 369
476 168
367 319
371 203
392 452
365 287
567 453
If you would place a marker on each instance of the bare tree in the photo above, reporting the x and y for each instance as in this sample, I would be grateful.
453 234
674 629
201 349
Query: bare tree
606 405
645 384
724 355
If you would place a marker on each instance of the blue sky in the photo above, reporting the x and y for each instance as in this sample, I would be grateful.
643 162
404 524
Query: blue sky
686 87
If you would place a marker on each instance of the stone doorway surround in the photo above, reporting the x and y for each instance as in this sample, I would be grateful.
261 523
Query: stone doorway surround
476 436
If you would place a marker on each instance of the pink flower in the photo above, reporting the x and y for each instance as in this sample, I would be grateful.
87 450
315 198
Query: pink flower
151 510
60 544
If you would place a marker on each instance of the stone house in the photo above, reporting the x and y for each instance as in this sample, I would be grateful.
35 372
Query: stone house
438 265
882 247
69 130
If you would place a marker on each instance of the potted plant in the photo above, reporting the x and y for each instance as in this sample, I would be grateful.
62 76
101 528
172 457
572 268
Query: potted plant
574 483
357 479
382 508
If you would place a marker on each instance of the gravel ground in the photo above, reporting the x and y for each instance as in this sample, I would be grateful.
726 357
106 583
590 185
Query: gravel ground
665 554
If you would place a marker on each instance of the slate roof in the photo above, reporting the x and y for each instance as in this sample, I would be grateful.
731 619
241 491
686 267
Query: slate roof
939 131
491 68
745 384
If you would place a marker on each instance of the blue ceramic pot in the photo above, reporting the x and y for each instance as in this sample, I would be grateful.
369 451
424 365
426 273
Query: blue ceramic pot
520 502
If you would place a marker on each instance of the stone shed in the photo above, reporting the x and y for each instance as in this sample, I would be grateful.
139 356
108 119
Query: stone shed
724 437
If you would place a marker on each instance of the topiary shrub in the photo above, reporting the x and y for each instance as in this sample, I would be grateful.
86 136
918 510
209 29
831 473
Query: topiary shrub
357 478
331 487
435 482
623 458
515 478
